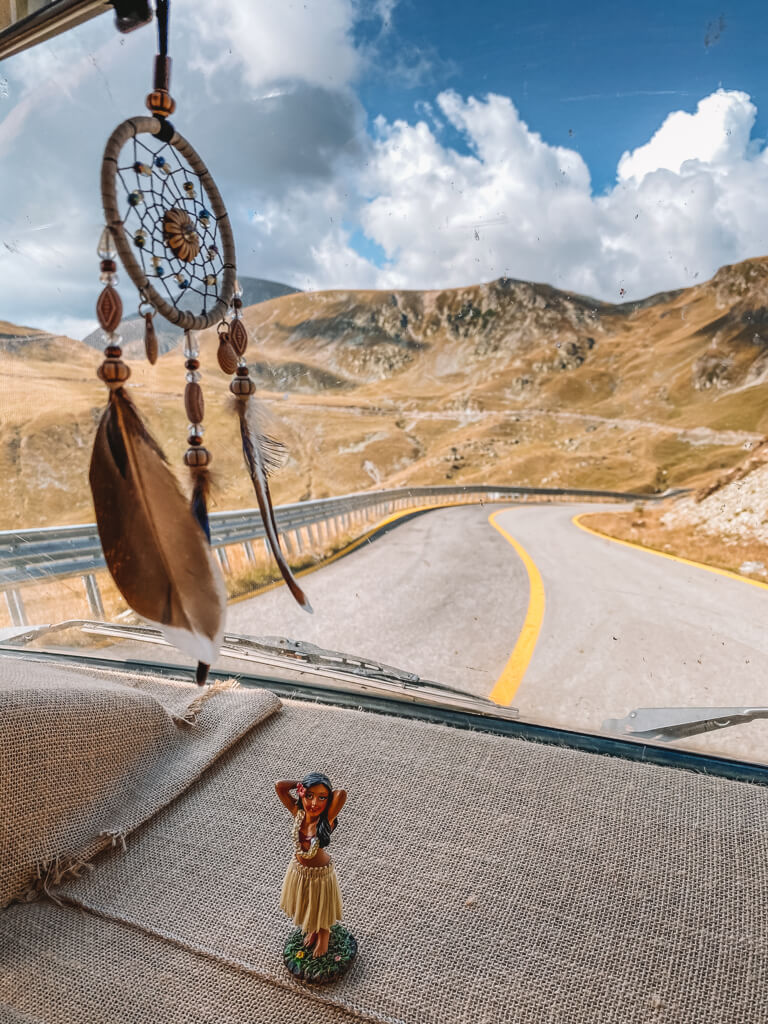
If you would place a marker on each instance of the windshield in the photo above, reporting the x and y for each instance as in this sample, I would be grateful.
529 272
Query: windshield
502 281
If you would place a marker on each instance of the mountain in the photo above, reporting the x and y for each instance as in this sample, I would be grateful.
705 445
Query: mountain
506 382
255 289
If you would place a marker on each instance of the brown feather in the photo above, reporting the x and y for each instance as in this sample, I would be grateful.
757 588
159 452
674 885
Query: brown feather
155 550
256 450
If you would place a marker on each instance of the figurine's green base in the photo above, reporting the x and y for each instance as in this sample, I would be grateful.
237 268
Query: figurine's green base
321 970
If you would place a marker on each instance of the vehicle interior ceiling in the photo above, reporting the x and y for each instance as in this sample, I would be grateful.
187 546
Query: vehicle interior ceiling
506 392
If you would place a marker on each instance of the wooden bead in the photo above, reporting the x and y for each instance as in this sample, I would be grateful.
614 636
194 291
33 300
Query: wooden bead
193 402
108 266
242 386
242 371
226 355
237 303
192 364
161 103
238 336
197 457
109 310
113 351
150 339
113 372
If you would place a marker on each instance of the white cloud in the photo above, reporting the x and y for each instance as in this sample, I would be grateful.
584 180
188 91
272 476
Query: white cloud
267 41
717 134
688 201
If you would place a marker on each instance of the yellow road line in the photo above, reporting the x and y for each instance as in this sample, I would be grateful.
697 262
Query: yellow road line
349 547
508 682
576 520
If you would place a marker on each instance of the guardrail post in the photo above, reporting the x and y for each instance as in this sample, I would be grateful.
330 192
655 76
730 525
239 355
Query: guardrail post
221 554
250 554
16 608
93 594
289 543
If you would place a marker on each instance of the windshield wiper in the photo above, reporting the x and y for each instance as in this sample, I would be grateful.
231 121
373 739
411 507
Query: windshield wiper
667 724
284 653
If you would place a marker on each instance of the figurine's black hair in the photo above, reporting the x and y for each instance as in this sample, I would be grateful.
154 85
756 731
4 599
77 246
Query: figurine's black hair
323 826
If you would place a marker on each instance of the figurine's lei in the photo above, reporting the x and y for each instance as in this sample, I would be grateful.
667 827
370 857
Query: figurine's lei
314 844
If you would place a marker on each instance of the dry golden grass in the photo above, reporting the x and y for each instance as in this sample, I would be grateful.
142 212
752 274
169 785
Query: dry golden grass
494 383
59 600
251 580
643 526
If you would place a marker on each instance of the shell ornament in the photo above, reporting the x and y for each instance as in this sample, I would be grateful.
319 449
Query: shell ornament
180 235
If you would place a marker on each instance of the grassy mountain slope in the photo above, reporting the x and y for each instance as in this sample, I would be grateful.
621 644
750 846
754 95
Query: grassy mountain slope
505 382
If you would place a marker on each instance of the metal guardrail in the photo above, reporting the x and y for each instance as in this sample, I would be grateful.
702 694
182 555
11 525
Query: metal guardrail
46 553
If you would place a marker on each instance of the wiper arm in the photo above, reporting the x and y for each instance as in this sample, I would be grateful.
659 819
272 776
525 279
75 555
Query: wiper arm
668 724
310 654
279 651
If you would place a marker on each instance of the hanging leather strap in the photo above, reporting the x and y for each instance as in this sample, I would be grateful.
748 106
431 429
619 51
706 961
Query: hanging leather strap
162 61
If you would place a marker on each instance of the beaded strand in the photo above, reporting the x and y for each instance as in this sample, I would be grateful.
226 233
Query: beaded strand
109 311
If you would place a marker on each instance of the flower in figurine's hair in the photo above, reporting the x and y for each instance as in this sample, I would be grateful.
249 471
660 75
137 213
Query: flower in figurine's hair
300 789
300 955
337 958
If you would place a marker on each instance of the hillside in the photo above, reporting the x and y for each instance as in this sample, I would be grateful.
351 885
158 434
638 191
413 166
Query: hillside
508 382
255 289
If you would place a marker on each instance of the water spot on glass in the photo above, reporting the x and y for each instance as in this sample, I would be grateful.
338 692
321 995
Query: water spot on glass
4 89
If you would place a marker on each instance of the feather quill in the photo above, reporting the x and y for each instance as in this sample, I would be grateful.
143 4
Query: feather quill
154 548
262 454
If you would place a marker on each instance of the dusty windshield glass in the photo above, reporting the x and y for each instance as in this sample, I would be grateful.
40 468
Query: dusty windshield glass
503 288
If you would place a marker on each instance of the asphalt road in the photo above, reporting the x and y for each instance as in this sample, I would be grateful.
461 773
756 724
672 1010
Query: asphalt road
442 594
446 595
624 628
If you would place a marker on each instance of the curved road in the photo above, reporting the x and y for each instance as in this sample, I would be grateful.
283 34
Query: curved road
442 594
446 595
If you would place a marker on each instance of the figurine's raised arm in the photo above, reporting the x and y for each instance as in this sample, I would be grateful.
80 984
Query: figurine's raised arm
283 790
338 799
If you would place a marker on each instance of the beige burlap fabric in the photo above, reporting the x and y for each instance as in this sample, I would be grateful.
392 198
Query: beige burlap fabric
487 880
86 757
62 966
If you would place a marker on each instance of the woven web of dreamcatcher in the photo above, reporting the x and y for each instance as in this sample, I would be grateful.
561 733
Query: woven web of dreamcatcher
162 191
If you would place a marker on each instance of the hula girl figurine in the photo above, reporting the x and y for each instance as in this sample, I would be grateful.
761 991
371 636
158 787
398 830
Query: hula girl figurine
310 892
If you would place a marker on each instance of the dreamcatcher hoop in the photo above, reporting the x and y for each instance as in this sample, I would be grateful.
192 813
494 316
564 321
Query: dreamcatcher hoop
115 221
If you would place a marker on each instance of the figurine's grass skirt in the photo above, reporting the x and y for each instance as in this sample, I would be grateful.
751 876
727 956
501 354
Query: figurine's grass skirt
311 896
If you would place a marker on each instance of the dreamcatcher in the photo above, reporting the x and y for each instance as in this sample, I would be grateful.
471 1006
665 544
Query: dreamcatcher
168 224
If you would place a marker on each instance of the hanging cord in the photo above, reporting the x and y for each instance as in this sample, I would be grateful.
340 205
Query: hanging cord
160 101
162 61
162 26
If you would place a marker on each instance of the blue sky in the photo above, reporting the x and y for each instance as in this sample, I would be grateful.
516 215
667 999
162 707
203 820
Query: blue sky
607 149
597 76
